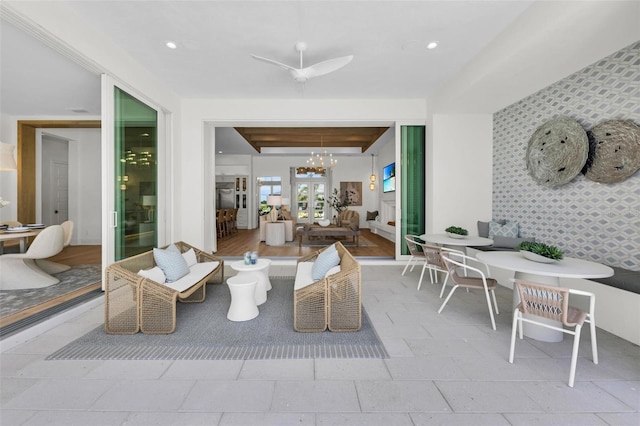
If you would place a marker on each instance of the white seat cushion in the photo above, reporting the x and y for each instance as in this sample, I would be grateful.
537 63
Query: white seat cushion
154 274
304 277
197 273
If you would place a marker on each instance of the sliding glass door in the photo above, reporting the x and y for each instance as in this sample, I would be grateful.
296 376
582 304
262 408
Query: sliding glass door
132 183
136 172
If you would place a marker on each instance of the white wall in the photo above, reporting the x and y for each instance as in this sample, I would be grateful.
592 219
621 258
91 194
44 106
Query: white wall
461 171
8 178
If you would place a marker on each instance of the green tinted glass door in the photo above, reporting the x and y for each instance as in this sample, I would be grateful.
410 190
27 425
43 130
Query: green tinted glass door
136 174
412 151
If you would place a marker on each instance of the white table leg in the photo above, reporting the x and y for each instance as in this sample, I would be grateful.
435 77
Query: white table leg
265 271
243 306
261 286
535 331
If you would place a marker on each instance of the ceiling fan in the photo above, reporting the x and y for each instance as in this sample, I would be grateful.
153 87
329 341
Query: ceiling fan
302 74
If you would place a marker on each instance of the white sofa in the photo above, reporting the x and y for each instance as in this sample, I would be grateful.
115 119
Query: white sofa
334 302
135 300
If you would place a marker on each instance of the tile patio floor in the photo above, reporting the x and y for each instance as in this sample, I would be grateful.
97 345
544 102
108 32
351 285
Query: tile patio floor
448 369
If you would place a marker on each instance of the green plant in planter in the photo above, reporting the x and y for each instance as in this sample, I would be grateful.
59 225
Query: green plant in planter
542 249
457 230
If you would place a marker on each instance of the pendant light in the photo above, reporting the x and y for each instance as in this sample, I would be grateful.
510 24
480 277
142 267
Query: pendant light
372 178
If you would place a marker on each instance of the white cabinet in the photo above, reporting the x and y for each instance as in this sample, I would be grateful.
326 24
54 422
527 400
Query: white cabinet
242 201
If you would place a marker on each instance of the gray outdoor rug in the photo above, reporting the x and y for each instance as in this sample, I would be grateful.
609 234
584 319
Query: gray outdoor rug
203 332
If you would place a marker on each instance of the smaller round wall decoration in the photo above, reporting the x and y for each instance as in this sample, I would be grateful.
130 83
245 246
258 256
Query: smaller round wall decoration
614 151
557 152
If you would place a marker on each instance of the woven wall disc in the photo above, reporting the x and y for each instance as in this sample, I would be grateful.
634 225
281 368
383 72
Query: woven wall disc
614 151
557 152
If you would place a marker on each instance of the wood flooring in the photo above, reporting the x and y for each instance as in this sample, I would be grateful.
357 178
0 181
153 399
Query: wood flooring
236 245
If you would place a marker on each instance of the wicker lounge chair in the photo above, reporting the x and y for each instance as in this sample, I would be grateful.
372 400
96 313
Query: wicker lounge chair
134 303
333 302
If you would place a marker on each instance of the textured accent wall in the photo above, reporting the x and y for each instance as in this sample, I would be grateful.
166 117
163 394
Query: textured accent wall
588 220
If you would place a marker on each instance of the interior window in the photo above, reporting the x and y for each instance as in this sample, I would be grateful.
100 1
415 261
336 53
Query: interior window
267 185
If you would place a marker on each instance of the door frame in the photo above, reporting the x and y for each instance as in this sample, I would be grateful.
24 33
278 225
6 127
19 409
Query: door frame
26 143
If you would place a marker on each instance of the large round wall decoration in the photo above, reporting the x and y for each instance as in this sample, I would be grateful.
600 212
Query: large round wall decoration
557 152
614 151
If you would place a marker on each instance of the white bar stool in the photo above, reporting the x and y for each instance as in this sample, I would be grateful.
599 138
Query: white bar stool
243 301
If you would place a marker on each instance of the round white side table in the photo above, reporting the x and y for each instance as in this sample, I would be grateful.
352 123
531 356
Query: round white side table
243 300
260 272
275 233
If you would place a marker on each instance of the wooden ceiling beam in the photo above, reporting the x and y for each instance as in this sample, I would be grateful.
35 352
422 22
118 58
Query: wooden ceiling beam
311 137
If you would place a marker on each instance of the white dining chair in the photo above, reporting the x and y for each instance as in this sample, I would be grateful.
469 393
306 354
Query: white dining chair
552 303
413 244
478 281
20 271
51 267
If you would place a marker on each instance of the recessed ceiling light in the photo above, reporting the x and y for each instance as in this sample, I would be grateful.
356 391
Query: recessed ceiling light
219 152
77 110
432 45
171 45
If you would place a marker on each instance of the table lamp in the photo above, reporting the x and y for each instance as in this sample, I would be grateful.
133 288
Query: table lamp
273 201
149 202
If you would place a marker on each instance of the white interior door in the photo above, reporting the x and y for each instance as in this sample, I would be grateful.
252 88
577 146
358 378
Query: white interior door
59 211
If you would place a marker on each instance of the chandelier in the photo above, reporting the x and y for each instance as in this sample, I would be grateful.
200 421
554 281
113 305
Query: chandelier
318 163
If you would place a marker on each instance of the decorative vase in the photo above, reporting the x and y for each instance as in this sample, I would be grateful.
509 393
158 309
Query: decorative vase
536 257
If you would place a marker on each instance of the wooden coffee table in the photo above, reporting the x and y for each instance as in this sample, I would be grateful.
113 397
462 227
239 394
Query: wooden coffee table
328 231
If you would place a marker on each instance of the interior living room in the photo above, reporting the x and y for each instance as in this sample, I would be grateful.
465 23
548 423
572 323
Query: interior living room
461 89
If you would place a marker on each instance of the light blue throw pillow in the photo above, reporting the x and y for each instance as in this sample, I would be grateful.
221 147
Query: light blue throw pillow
325 261
509 229
171 262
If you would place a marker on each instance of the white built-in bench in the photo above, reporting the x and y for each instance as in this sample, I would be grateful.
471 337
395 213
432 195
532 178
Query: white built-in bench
382 229
617 302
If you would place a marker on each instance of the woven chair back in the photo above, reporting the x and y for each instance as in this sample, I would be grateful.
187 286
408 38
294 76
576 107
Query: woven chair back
432 254
544 301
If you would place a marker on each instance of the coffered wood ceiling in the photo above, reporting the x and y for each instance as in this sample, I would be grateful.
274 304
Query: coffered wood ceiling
312 137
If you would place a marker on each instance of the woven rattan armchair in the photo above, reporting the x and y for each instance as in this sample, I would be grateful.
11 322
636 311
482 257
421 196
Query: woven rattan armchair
134 303
333 302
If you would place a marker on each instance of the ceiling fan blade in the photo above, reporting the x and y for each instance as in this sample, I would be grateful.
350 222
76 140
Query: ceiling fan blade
276 63
325 67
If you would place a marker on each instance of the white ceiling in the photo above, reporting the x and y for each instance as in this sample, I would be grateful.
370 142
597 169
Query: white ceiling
215 39
517 52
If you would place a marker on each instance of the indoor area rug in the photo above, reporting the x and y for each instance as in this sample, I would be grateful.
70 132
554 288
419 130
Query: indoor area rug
79 276
322 242
203 332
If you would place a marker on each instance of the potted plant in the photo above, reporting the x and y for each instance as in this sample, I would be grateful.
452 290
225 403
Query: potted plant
456 232
339 202
540 252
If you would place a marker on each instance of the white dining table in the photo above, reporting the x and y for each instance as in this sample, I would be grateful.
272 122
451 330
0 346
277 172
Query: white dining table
543 273
22 236
463 243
